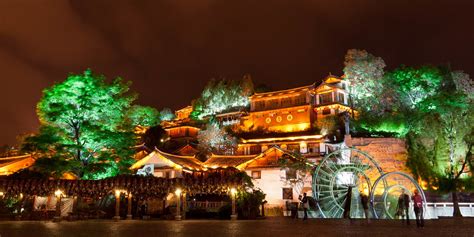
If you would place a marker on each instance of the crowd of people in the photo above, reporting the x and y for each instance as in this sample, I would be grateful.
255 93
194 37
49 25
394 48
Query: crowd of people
402 213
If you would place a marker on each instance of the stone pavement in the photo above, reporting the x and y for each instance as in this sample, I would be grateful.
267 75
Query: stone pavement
215 228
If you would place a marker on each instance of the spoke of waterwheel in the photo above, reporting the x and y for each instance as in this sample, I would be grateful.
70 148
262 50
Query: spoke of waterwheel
323 173
334 207
324 178
330 167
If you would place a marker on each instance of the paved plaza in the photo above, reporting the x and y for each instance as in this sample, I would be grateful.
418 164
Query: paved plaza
215 228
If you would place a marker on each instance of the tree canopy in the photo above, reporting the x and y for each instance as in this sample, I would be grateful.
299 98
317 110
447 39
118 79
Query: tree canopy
87 126
222 95
364 72
215 139
431 106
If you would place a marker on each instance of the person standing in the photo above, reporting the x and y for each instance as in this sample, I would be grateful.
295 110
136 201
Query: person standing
418 208
403 207
305 203
364 199
347 204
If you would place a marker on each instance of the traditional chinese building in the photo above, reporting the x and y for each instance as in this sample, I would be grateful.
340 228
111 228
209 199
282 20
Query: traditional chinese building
275 123
10 165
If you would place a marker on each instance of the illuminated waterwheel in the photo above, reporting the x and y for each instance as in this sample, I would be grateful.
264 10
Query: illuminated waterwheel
386 191
340 171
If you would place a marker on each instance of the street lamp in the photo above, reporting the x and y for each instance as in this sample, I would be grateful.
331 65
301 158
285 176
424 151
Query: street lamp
58 193
178 204
233 192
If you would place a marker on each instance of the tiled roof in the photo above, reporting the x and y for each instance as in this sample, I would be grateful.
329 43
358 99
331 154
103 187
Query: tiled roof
187 150
280 92
227 161
184 162
9 165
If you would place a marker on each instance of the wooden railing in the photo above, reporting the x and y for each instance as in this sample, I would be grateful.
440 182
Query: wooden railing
209 206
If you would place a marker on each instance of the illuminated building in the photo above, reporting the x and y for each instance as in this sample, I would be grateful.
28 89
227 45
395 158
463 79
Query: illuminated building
274 124
10 165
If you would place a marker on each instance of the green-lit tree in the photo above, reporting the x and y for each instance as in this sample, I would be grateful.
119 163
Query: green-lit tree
87 126
440 145
222 95
143 116
438 116
166 114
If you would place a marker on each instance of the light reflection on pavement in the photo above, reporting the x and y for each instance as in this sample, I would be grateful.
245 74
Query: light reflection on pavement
216 228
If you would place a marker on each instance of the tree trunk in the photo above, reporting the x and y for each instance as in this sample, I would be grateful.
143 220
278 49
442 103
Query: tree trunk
456 209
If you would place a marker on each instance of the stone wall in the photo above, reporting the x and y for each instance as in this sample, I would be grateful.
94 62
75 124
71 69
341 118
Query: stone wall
390 153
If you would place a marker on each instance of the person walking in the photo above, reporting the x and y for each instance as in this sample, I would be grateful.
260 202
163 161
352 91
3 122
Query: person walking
305 204
418 208
364 199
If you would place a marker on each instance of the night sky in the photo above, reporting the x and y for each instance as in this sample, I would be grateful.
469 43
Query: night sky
169 49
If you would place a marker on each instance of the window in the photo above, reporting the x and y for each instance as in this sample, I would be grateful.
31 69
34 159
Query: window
285 102
326 111
290 174
325 98
301 99
340 97
256 174
259 105
293 147
255 149
288 193
313 147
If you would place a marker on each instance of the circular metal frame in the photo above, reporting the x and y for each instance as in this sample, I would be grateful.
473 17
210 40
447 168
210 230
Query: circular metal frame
388 188
354 164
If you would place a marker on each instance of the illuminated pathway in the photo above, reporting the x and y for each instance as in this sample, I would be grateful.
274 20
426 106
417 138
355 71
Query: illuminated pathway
270 227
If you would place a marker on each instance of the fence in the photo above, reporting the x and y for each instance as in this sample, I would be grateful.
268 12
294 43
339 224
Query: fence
434 210
208 206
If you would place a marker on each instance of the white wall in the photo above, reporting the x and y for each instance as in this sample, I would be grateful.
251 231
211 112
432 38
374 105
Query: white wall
272 182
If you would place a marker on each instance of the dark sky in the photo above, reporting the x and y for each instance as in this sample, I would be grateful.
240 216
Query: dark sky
170 48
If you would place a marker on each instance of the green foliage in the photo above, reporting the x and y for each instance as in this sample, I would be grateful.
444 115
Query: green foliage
143 116
222 95
87 127
154 137
248 203
416 84
166 114
295 161
385 124
441 154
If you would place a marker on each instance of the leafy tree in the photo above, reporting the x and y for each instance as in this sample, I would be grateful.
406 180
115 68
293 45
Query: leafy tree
222 95
166 114
365 74
154 137
216 139
463 83
439 122
297 164
143 116
416 84
84 126
432 107
445 149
